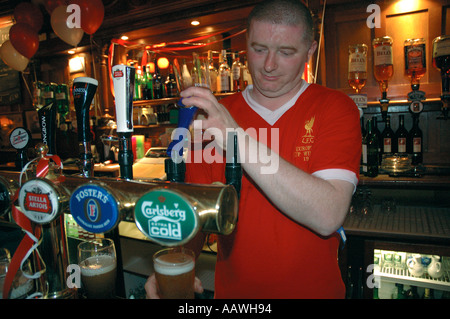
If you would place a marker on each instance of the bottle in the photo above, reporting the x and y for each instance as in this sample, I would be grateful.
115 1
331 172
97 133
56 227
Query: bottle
428 294
212 72
387 136
412 293
363 163
236 71
158 86
137 96
401 135
171 84
357 66
415 142
380 140
147 84
223 80
372 150
246 76
399 293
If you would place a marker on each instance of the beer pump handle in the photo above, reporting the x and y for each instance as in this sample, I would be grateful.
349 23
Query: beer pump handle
233 168
123 81
84 89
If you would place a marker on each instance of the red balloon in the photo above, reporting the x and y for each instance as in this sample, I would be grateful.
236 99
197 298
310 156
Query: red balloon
28 13
92 14
51 5
24 39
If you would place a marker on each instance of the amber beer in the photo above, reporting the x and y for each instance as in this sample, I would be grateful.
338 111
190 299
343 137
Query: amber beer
98 265
357 66
175 274
98 275
383 61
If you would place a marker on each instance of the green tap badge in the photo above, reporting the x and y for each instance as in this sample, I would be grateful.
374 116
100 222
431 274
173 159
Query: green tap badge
166 217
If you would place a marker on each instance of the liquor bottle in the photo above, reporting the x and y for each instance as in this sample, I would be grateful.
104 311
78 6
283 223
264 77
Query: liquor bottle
372 150
147 84
158 85
212 72
415 143
171 84
357 66
401 135
441 60
223 80
387 136
62 102
236 71
246 76
399 293
137 85
415 60
383 62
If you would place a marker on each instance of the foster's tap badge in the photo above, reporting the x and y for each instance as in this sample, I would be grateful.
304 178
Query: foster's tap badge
166 217
41 201
94 208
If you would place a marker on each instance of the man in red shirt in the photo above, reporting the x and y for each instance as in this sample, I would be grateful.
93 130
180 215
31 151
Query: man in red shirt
285 243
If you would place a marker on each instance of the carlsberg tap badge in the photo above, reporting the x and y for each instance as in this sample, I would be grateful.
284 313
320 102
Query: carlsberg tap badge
165 217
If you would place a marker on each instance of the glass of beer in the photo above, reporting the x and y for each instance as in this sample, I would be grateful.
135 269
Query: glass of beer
98 265
175 274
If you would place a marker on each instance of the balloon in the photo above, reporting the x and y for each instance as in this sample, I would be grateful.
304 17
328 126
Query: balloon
92 14
13 58
58 21
51 5
24 39
28 13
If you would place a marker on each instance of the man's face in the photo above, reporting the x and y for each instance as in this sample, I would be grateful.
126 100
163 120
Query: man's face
276 57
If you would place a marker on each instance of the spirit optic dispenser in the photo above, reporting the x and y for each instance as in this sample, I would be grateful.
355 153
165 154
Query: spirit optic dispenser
441 61
383 68
415 69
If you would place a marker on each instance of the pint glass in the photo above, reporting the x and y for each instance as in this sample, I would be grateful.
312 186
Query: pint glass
174 270
98 265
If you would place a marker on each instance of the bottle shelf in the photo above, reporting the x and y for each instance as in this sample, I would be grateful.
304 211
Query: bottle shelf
170 100
403 276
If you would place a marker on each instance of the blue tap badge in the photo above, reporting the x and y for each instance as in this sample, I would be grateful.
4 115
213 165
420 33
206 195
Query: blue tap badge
94 208
166 217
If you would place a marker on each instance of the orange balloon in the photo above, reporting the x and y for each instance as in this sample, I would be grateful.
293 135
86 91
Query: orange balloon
58 21
12 57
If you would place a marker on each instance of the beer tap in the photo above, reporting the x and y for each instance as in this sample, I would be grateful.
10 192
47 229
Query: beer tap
43 201
20 139
83 92
123 80
47 122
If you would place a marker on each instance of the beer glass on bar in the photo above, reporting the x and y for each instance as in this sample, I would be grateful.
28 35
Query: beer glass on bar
441 61
98 265
175 274
383 68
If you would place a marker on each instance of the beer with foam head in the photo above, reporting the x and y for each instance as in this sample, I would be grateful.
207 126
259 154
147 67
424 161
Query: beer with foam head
98 265
175 274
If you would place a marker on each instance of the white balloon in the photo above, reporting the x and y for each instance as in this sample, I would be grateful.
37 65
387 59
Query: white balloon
13 58
58 21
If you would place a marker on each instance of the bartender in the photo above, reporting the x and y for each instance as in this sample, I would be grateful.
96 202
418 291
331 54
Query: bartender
285 244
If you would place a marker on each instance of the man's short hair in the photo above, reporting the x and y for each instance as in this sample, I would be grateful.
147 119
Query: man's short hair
287 12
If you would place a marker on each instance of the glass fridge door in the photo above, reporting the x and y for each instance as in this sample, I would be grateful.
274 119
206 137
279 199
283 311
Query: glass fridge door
405 275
